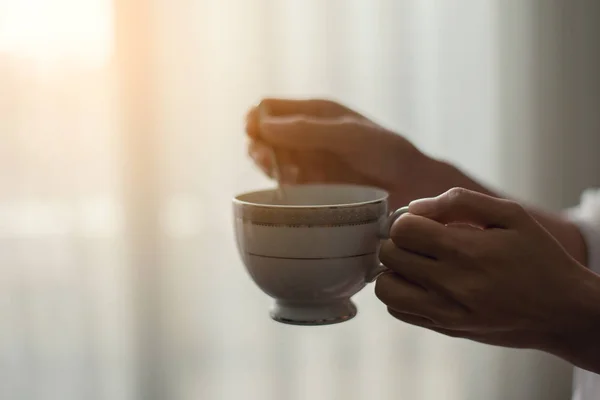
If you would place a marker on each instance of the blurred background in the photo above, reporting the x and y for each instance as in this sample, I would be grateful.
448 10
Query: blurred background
122 143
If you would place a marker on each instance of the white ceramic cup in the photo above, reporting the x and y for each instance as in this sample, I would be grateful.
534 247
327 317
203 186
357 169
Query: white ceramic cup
314 248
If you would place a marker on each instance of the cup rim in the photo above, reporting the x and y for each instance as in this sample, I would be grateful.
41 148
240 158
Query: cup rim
384 196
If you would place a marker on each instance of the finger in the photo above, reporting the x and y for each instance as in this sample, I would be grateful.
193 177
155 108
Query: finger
252 123
283 107
289 171
520 339
304 167
415 268
313 167
462 205
403 296
260 154
310 133
412 319
320 166
306 107
464 226
422 236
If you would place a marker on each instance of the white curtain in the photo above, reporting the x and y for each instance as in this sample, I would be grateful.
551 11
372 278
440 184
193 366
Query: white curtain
121 145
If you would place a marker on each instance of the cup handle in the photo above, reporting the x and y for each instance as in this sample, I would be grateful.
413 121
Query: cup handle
384 233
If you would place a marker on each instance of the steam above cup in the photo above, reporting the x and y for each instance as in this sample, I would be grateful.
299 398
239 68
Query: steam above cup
314 248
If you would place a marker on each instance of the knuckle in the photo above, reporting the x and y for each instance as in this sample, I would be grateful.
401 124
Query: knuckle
472 291
473 251
455 197
457 194
516 211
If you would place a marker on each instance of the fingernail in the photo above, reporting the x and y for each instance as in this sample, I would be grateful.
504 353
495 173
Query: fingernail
422 207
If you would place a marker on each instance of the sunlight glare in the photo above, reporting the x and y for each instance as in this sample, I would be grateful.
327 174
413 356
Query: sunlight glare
52 30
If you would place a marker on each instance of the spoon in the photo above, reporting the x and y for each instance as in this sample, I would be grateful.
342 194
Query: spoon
275 167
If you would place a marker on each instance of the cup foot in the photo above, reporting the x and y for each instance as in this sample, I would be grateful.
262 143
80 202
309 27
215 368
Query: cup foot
312 315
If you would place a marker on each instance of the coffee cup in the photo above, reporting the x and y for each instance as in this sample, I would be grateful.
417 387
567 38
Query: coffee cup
312 247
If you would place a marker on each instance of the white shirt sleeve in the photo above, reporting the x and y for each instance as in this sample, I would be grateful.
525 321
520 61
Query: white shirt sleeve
587 217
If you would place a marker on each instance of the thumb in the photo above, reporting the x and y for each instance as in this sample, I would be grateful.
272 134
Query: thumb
300 132
460 205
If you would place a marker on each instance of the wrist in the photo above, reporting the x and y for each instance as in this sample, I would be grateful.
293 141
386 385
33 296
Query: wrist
420 176
424 176
458 178
575 336
445 176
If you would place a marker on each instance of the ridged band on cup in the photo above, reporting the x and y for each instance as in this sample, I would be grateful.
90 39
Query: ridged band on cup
311 216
